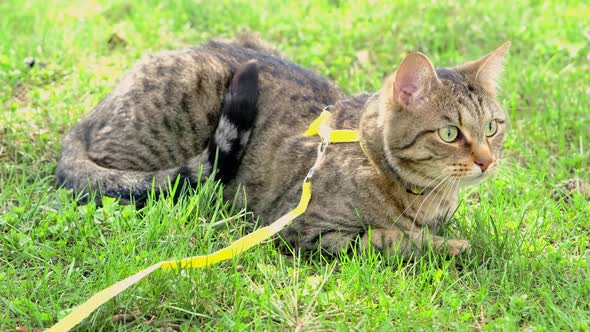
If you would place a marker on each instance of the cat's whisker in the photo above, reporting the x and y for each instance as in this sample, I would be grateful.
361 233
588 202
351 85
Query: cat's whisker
454 187
442 190
471 191
413 225
511 155
448 189
526 108
511 161
416 198
512 169
427 175
515 174
516 168
442 196
428 196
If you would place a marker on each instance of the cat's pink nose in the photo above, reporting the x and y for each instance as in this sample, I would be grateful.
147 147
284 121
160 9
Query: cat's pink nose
482 157
483 163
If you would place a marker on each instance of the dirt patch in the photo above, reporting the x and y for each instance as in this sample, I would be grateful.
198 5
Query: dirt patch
21 94
566 189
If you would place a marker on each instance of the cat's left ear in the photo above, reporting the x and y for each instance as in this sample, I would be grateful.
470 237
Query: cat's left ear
486 71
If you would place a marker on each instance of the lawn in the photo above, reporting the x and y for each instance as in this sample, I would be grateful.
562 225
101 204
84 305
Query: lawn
529 268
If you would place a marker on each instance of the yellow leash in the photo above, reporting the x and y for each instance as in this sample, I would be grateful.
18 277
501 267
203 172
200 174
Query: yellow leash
318 127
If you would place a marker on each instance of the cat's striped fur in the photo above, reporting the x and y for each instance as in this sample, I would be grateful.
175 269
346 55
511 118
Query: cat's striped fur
402 184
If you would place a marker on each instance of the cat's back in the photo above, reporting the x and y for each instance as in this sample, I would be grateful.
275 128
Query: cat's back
164 109
167 106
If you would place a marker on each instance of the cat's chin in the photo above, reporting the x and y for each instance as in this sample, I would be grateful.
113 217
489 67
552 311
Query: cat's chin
473 180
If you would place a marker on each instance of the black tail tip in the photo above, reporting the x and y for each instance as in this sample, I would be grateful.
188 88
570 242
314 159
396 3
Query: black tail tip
245 81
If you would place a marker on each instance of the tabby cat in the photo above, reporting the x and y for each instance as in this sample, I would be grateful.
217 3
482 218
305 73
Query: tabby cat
424 134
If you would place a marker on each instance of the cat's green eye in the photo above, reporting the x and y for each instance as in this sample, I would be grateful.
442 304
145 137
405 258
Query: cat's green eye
491 128
448 134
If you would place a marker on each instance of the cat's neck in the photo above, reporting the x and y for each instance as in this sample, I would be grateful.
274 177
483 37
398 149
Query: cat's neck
371 138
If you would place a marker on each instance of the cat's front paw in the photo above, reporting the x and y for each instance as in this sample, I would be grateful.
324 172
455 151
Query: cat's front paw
457 247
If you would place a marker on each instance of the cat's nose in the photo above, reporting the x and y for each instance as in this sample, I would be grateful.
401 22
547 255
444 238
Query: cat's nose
483 163
482 158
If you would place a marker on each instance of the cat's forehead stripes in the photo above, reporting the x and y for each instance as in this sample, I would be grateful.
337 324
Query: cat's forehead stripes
450 75
470 106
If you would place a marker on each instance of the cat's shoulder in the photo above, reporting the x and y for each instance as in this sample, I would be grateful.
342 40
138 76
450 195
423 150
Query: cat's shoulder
347 111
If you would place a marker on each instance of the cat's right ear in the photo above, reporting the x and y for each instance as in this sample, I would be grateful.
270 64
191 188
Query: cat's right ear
413 80
486 71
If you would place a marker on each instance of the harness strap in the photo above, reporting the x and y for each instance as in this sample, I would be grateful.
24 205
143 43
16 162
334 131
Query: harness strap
336 136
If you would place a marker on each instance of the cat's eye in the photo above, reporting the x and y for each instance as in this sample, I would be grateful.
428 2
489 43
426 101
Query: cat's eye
491 128
448 134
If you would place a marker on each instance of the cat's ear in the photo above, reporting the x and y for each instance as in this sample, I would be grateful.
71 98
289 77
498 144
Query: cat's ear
413 80
486 71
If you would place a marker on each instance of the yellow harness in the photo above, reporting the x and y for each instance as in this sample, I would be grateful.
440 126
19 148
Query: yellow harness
318 127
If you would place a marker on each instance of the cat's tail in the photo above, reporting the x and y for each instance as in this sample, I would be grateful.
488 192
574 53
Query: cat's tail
236 122
80 173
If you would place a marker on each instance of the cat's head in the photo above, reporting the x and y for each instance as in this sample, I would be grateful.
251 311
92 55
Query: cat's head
444 124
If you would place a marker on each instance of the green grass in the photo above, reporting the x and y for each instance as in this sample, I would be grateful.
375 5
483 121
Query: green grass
529 265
